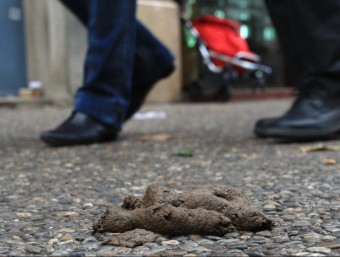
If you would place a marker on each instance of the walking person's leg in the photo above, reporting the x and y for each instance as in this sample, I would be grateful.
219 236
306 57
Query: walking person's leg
102 101
152 60
309 34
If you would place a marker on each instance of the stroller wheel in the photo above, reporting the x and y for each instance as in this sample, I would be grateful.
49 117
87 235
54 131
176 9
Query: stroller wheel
225 94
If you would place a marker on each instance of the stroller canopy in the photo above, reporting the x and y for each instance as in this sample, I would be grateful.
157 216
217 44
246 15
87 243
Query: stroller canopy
221 36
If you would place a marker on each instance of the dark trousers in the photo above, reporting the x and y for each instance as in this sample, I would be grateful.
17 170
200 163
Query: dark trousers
122 54
309 32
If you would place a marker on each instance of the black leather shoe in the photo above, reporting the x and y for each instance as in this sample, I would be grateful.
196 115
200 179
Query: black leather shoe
314 115
79 129
140 90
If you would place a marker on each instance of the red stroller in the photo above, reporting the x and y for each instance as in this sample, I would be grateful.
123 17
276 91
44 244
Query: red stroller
225 57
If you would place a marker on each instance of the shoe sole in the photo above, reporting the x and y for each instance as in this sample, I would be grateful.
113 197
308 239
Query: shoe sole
57 143
297 135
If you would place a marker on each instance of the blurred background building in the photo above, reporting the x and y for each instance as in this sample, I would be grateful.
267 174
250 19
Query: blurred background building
42 42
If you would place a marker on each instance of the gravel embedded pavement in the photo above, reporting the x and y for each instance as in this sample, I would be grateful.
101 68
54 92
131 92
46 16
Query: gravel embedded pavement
50 197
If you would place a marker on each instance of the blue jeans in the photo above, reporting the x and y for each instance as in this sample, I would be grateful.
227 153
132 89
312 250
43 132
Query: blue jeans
120 51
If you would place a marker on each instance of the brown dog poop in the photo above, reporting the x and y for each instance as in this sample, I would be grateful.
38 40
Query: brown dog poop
205 210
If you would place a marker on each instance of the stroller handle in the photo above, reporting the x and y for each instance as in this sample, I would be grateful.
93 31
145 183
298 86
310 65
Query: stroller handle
240 62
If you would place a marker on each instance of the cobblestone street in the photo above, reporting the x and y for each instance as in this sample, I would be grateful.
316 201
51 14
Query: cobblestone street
50 197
